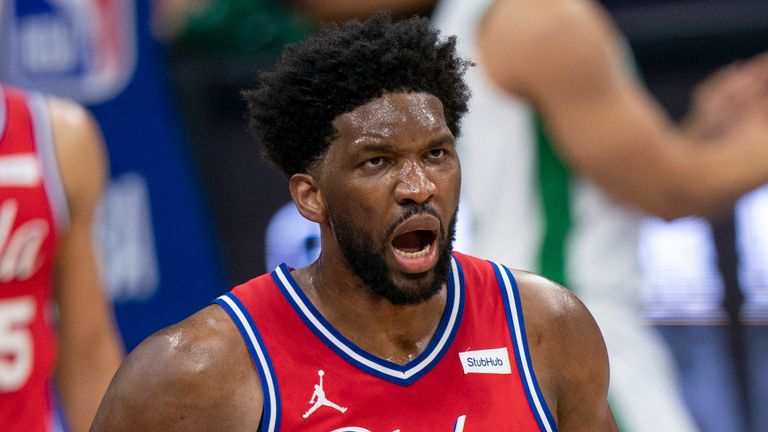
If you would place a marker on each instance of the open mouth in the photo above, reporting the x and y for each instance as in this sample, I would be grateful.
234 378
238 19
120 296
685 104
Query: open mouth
414 244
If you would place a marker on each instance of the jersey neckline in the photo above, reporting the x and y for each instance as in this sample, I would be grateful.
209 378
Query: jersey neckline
399 374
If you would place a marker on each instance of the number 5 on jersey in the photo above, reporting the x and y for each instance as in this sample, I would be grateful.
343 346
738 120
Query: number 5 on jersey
15 342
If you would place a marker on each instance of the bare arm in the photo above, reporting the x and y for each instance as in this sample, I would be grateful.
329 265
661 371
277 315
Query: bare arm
194 376
564 56
89 348
568 354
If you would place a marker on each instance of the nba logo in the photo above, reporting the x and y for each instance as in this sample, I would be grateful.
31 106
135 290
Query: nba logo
81 49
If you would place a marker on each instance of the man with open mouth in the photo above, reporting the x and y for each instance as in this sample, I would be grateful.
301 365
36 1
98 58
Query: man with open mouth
389 329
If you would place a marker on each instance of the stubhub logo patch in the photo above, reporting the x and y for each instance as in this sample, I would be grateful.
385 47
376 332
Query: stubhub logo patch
490 361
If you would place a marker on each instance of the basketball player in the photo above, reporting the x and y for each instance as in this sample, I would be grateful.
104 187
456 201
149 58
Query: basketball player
562 152
54 319
388 329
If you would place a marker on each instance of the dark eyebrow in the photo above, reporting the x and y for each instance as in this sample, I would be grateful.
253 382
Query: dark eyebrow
374 147
441 139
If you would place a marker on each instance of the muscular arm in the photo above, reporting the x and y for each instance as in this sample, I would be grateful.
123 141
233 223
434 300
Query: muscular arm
568 355
89 349
564 57
194 376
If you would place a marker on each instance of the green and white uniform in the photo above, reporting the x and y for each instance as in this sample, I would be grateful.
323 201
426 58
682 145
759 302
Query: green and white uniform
531 212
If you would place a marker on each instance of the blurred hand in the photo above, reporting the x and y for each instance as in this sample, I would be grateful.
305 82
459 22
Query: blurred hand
735 97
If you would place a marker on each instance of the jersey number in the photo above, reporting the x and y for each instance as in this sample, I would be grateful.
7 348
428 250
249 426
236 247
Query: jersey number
15 342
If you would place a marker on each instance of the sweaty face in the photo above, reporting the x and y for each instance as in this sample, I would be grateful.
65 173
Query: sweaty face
390 180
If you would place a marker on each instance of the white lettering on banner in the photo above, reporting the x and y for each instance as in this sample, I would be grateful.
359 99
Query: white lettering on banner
20 249
82 49
15 342
48 44
127 243
21 170
490 361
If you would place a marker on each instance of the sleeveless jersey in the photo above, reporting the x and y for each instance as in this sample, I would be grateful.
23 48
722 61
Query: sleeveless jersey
32 211
563 225
475 374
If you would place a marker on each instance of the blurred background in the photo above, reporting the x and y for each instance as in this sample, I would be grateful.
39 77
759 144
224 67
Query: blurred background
190 200
705 286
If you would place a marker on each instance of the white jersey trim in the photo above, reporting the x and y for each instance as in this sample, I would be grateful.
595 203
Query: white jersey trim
46 149
514 311
271 408
396 373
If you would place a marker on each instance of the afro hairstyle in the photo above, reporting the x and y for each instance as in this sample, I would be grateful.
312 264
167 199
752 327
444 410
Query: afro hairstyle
343 67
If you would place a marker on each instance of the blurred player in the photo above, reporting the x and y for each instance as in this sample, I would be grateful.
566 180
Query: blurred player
563 151
56 326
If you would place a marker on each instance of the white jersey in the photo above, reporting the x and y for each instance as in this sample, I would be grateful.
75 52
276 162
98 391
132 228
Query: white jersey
563 227
531 212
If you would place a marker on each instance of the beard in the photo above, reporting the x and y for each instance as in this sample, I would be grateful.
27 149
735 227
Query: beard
368 262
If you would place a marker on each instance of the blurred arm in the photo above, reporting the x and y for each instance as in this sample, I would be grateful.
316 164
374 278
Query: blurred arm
89 349
564 57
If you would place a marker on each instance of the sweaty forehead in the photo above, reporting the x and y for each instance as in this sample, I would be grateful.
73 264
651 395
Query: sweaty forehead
386 115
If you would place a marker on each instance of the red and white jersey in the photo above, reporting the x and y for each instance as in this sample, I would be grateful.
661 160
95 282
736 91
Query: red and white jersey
475 375
32 212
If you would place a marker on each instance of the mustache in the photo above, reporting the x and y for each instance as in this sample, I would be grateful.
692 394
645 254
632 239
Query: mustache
412 210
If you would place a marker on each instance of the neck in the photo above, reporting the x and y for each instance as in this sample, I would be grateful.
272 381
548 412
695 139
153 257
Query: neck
397 333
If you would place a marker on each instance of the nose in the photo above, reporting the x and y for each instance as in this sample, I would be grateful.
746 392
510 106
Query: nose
414 184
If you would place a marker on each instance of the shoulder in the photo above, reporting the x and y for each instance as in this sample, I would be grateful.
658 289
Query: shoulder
80 152
542 23
555 315
74 127
178 377
528 42
549 300
567 347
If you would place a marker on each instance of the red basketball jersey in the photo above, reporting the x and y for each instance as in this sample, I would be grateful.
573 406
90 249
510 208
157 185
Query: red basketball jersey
32 209
475 375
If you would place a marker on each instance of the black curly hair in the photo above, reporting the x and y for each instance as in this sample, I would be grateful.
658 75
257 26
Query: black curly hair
343 67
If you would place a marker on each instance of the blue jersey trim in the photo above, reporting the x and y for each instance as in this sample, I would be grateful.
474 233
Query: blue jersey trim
239 314
513 308
346 349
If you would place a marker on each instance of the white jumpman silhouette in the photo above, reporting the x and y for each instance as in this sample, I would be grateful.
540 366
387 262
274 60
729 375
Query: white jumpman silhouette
318 399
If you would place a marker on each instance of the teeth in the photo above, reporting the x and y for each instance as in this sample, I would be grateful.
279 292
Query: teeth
419 254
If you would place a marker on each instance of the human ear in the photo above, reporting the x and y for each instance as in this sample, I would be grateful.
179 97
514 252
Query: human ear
305 193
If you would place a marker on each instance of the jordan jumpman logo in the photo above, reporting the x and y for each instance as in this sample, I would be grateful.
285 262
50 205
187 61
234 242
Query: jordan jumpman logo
318 399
